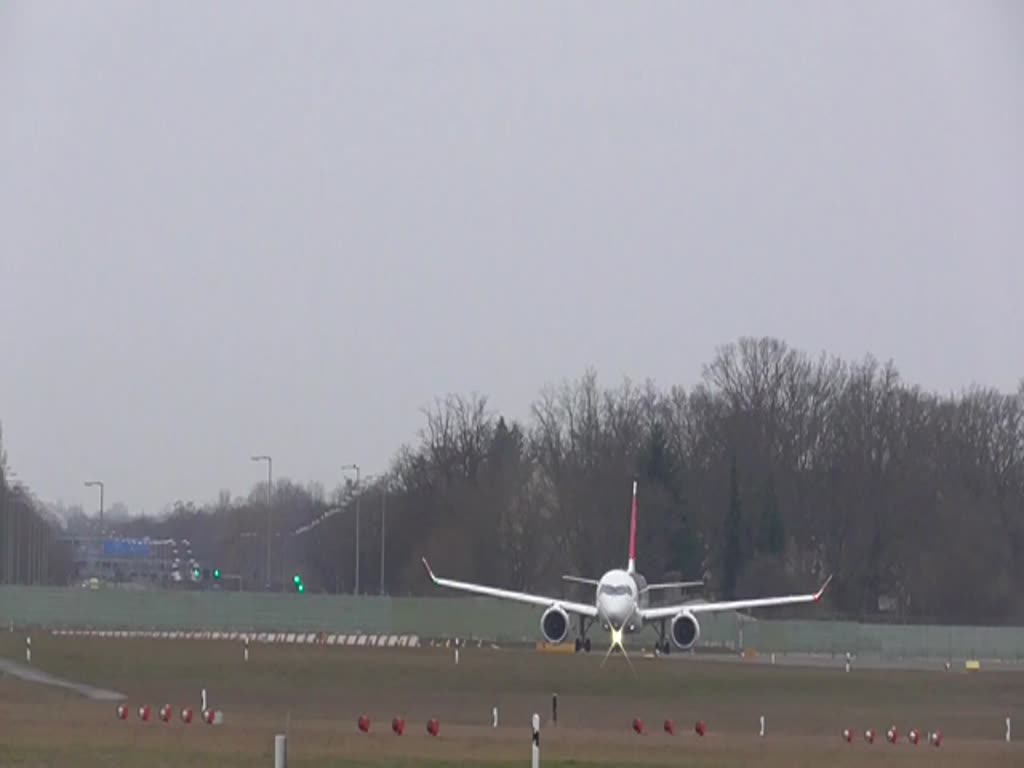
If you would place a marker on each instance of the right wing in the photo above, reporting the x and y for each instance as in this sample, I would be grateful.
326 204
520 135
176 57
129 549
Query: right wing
673 585
664 611
581 580
582 609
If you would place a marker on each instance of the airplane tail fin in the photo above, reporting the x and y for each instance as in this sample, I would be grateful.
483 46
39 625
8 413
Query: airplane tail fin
632 535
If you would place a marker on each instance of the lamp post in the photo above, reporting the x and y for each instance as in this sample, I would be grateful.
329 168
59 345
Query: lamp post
366 480
93 484
383 510
355 591
5 515
270 479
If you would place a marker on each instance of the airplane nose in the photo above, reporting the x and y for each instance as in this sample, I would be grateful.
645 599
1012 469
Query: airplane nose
615 611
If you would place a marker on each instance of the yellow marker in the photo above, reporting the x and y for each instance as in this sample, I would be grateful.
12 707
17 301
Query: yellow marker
562 648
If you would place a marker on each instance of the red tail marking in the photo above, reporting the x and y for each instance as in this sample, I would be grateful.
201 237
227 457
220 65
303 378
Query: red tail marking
632 530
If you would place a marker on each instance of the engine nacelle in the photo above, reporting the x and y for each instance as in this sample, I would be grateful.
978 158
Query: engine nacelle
554 624
685 630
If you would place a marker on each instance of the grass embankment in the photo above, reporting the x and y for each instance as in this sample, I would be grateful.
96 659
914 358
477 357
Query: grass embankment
317 693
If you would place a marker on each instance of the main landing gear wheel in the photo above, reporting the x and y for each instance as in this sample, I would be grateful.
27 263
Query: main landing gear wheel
662 646
582 641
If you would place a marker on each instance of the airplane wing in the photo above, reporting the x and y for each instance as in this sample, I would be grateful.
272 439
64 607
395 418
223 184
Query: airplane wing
673 585
581 580
504 594
665 611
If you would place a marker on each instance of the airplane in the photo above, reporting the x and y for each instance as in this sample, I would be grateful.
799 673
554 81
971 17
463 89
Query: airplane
621 604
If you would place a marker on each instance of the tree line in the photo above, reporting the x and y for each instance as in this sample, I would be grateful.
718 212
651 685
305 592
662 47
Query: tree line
29 551
776 469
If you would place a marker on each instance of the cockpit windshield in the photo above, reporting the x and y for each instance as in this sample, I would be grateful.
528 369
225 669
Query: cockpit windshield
615 589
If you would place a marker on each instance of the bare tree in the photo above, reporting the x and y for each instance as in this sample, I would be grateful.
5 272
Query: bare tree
773 469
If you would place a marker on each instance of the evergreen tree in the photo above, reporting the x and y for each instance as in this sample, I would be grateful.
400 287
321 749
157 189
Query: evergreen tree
731 555
771 538
667 470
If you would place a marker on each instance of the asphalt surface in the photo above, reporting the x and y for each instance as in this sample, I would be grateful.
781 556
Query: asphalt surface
32 675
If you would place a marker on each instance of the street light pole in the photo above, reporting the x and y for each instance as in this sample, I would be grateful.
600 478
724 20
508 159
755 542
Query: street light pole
355 590
270 479
94 483
383 509
367 480
6 517
14 549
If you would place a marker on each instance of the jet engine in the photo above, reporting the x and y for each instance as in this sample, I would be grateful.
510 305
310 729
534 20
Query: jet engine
685 630
554 624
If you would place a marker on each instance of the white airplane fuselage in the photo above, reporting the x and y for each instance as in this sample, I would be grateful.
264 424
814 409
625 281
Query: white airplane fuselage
618 597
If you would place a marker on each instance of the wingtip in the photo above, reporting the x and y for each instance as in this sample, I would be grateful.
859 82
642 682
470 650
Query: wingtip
823 588
430 572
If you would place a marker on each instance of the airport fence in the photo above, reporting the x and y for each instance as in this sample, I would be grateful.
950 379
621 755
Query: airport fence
470 618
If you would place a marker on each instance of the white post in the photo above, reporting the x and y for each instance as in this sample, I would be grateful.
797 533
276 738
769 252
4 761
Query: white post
773 657
245 654
535 762
280 751
28 649
494 717
204 700
847 661
762 725
456 654
1007 730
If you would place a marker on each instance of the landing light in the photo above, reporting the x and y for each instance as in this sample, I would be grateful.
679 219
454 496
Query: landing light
617 641
616 638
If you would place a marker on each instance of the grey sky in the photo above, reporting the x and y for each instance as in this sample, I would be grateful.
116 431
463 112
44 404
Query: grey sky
233 228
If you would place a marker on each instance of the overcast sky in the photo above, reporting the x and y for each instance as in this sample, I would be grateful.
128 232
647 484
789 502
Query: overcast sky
248 227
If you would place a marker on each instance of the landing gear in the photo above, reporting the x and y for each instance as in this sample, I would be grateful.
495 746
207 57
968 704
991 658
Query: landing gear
662 646
583 642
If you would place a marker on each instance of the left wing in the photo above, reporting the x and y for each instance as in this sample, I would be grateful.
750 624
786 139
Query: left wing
665 611
582 609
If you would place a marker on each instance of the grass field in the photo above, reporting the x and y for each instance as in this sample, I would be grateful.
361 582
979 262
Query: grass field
318 693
